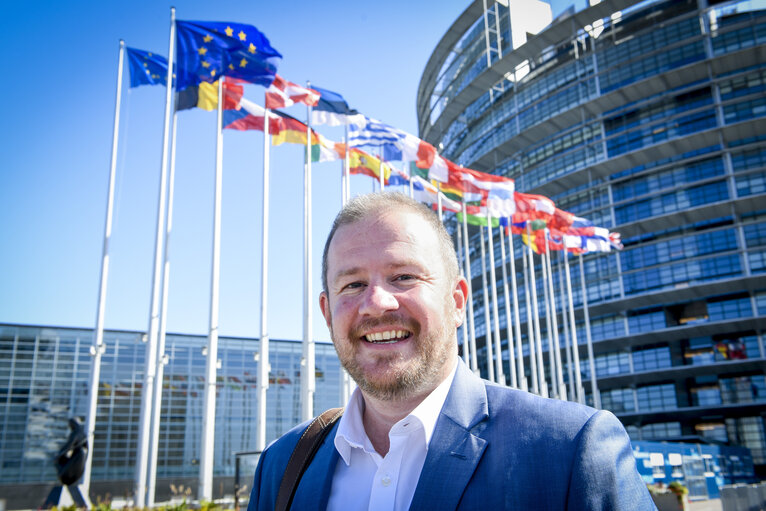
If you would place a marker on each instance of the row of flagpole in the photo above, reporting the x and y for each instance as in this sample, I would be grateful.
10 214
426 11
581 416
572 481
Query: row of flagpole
146 462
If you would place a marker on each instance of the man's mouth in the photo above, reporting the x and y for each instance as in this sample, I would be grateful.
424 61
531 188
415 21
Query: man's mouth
388 337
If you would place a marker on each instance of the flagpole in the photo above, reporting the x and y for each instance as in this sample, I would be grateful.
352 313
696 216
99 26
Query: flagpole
536 319
499 373
439 201
487 323
208 414
469 278
589 340
97 348
567 339
346 382
517 320
562 389
308 363
549 326
144 428
263 355
157 402
575 346
380 171
461 265
509 332
530 326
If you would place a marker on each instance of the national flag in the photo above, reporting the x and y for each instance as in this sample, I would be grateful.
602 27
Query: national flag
427 193
205 96
281 94
398 177
359 162
324 149
500 190
477 215
147 68
331 109
533 207
291 130
581 226
208 50
249 117
562 220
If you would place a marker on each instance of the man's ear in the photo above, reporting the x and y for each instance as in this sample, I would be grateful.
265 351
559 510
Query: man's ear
460 295
324 305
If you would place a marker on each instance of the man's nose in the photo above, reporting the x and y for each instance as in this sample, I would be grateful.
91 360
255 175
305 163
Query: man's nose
378 300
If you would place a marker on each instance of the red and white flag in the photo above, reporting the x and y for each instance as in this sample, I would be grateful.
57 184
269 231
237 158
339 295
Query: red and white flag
282 93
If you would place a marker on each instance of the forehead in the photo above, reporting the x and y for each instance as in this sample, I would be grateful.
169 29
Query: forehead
388 237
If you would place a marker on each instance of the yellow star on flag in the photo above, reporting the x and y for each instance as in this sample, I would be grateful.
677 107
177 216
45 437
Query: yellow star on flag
205 64
251 48
202 50
212 72
207 38
146 64
231 66
242 36
243 63
229 31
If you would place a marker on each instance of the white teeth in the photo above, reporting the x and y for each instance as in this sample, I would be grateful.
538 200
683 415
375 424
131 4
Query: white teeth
388 337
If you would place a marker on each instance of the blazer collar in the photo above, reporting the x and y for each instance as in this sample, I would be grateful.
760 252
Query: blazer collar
456 446
313 491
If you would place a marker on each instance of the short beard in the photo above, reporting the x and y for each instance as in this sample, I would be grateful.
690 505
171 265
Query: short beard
418 375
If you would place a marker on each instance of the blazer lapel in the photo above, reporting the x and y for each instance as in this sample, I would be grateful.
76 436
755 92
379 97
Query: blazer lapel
456 446
314 488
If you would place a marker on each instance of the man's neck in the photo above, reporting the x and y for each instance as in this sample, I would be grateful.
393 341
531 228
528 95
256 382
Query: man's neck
379 415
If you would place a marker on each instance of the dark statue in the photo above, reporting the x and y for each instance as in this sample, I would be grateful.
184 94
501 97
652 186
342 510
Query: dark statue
70 460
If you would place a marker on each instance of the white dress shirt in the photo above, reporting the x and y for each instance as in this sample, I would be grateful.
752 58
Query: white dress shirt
363 479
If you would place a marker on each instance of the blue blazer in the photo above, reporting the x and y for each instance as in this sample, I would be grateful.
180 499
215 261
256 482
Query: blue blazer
492 448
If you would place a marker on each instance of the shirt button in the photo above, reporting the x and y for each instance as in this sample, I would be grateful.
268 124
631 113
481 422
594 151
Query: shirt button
385 481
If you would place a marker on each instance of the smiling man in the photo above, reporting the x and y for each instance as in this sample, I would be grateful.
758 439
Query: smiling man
421 431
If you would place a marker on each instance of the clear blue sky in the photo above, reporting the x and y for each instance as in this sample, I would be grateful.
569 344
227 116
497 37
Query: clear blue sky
56 118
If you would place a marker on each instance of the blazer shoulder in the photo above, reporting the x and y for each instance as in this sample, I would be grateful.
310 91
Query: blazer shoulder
564 419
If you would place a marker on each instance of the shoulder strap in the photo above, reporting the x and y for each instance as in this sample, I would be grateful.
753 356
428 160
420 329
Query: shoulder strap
302 455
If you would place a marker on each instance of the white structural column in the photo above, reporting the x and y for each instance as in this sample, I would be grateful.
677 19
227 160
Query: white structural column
499 373
263 354
98 347
211 364
144 426
308 361
487 323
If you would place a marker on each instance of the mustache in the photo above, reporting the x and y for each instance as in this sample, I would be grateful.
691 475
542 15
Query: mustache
392 321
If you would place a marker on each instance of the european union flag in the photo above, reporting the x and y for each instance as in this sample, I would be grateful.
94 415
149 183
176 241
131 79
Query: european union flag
207 50
146 68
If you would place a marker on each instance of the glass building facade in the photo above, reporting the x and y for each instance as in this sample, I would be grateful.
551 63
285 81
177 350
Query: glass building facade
44 376
648 118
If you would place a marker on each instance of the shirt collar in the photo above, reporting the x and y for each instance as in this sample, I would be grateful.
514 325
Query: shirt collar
351 430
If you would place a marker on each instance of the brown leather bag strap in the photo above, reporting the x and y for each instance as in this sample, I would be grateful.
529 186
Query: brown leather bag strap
302 455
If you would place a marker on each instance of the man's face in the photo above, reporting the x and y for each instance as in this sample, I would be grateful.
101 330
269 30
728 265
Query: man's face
391 307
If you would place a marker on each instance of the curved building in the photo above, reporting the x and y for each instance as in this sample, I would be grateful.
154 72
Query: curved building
648 118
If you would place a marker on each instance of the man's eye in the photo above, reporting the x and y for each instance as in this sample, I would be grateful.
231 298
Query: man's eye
353 285
404 277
